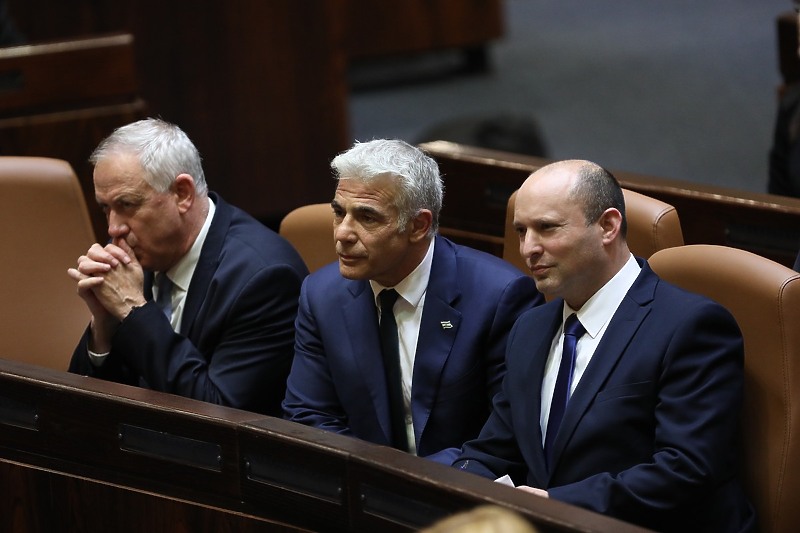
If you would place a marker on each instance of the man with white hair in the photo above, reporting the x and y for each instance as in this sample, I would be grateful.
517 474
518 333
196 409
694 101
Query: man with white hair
192 296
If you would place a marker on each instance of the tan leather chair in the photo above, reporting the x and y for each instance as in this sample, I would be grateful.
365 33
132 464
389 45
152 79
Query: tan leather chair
652 226
764 297
310 230
44 227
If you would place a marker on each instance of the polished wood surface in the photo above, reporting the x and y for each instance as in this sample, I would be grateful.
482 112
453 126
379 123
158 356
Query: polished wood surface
120 458
479 183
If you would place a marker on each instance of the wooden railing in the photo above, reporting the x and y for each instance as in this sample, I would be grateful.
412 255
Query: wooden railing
103 456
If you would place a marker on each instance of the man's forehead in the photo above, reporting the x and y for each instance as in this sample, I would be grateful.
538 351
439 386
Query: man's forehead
356 192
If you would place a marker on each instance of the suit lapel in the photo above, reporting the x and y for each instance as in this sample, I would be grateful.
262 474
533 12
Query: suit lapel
437 332
206 264
633 309
361 323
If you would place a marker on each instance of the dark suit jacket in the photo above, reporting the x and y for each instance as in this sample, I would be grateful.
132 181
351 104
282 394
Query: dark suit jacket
237 332
337 380
650 434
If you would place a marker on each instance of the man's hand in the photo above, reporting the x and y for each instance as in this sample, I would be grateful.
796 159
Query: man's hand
110 282
534 490
121 289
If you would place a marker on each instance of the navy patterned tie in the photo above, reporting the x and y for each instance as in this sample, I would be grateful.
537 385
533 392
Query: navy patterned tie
164 299
573 330
390 347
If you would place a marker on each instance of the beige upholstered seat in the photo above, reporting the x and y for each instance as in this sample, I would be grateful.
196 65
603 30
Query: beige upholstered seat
44 227
652 226
764 296
310 230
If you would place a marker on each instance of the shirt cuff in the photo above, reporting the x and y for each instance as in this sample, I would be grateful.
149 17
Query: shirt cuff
97 359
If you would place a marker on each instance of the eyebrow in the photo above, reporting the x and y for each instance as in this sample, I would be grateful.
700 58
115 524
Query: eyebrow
360 209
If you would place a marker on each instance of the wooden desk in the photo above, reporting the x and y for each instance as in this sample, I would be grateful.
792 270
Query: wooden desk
108 457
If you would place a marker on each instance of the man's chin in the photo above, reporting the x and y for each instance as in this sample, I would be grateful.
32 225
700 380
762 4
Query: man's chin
350 271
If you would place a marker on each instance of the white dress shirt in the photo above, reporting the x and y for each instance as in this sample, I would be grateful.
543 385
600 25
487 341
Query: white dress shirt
181 272
595 316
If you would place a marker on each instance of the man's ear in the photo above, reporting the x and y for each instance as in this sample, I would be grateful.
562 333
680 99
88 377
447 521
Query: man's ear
420 225
611 224
183 188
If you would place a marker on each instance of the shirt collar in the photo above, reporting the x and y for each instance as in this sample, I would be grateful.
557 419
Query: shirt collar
412 288
599 309
181 273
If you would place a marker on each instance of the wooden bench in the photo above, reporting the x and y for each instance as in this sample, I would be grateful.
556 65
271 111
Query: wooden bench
479 183
60 99
107 457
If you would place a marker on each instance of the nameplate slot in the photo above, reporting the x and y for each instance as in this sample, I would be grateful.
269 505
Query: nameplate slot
403 510
18 414
294 477
11 81
173 448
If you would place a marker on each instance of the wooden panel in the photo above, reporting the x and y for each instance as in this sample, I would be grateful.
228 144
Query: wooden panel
67 74
479 182
67 457
36 500
406 26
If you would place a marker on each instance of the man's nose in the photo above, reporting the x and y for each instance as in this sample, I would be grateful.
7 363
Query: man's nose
343 231
529 245
117 226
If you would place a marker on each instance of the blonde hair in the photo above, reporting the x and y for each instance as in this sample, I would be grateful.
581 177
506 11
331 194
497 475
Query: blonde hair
482 519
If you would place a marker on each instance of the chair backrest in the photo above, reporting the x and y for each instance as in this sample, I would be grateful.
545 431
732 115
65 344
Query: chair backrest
652 225
44 227
310 230
764 297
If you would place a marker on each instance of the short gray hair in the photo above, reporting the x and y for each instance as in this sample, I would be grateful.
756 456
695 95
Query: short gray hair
163 149
419 184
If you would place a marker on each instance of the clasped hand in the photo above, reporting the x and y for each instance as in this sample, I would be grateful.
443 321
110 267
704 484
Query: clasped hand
110 282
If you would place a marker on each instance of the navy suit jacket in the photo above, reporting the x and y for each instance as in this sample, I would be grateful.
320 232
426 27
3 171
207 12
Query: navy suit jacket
337 380
650 433
236 337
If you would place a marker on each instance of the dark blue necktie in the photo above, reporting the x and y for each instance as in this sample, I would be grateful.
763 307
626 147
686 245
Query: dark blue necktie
573 330
164 299
390 348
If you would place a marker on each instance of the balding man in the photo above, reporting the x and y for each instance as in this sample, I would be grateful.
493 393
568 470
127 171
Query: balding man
640 422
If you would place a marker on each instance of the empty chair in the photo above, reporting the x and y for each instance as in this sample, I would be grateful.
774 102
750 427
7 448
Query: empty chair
44 227
764 297
310 230
652 225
